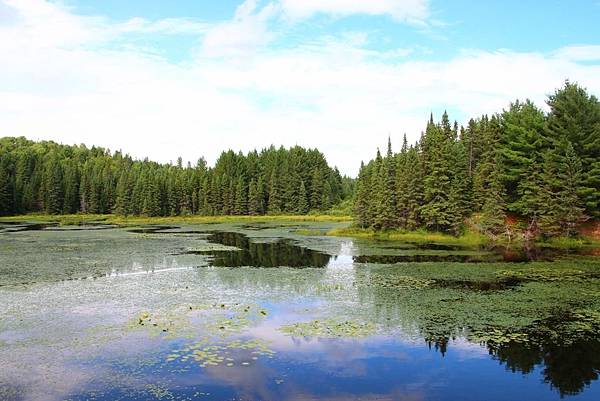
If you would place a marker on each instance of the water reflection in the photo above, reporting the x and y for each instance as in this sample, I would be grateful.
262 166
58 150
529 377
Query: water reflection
569 369
420 350
274 253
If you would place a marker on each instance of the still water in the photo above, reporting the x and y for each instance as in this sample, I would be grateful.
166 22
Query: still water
260 312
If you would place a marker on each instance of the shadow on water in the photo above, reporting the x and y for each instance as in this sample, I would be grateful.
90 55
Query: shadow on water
423 253
279 253
569 369
15 227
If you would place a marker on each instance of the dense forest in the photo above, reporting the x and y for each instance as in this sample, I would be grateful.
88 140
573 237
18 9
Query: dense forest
542 169
52 178
539 168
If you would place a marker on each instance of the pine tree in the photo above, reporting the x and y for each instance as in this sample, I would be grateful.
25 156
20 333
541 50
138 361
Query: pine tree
6 192
402 186
151 197
124 194
361 201
493 213
572 204
415 190
303 206
561 206
531 196
521 144
386 217
549 196
262 195
317 185
275 195
254 200
53 189
436 210
327 196
376 185
241 198
575 116
488 148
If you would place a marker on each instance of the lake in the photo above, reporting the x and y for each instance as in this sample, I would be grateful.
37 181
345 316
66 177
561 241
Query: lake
284 312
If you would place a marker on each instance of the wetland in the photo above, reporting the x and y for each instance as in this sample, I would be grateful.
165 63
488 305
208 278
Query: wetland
281 311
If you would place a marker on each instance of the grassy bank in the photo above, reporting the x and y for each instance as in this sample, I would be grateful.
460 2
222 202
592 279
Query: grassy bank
468 239
73 219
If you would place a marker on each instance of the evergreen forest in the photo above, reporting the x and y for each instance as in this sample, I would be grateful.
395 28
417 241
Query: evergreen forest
522 164
50 178
541 168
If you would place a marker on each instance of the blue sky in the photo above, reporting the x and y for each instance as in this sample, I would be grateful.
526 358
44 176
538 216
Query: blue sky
194 77
525 25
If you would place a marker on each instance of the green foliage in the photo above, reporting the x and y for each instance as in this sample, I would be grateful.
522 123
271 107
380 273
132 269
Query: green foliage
575 117
544 168
54 179
493 213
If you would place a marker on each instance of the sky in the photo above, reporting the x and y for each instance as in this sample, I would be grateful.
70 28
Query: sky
192 78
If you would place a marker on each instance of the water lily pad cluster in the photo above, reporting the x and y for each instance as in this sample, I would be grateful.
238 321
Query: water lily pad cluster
330 328
399 281
219 320
549 275
497 337
229 353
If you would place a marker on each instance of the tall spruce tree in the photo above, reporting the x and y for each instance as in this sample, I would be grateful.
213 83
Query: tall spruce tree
361 200
493 212
303 206
53 188
386 216
575 116
437 209
522 142
6 192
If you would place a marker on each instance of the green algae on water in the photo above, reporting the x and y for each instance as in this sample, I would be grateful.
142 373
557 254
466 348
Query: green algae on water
330 328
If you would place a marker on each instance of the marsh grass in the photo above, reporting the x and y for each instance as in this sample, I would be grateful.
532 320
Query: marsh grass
420 237
470 238
75 219
570 243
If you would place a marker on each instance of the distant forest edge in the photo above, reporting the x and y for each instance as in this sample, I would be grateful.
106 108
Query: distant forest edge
52 178
518 170
540 170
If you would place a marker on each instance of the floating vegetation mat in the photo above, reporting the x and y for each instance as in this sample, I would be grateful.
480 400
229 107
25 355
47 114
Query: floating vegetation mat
330 328
210 353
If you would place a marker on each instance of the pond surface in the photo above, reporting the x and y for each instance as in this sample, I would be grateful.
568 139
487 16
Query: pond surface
259 312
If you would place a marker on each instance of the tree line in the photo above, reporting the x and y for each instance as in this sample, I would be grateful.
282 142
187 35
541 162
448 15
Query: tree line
60 179
542 168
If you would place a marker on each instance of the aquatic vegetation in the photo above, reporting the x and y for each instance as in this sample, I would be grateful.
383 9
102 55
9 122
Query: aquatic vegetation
309 232
399 281
187 321
550 274
161 306
468 239
330 328
159 392
225 352
192 219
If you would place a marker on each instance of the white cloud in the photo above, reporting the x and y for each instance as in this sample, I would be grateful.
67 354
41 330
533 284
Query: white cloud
241 36
169 26
579 53
332 94
413 11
